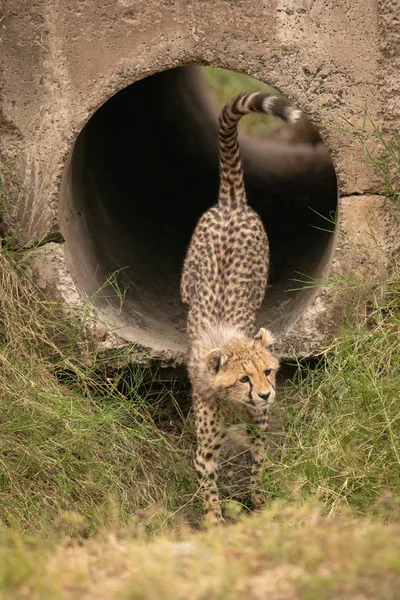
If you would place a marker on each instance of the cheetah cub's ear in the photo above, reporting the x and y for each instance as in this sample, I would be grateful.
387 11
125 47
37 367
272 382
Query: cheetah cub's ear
216 359
265 338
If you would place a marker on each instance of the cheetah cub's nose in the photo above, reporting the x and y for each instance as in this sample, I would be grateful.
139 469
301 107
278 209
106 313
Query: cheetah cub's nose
265 396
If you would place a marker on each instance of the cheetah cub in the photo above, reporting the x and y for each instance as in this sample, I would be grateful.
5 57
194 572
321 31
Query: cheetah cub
232 370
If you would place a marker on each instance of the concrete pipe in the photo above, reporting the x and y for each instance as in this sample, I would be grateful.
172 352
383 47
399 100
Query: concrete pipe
143 170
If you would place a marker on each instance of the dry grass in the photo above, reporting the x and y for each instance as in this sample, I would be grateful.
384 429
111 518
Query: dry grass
285 554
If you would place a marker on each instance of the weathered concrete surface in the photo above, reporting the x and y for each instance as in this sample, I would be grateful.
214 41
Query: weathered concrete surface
60 60
389 63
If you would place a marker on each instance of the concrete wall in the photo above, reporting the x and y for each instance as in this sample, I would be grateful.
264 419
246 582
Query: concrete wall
62 59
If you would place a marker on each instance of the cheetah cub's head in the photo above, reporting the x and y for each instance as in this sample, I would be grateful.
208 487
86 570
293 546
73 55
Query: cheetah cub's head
244 370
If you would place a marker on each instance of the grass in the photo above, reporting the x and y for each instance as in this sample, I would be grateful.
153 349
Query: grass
282 553
74 437
342 423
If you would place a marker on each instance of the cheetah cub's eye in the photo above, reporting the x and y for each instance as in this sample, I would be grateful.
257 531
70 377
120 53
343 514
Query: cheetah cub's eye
268 372
244 379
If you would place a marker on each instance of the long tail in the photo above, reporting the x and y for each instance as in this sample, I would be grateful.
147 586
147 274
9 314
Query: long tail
231 190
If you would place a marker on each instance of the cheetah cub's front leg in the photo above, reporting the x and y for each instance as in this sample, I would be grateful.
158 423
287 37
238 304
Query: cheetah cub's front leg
258 443
210 432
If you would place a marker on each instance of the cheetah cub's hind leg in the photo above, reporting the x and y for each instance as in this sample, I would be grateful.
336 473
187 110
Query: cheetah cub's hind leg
210 431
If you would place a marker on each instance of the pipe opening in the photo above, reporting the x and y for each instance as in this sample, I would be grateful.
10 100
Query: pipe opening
143 170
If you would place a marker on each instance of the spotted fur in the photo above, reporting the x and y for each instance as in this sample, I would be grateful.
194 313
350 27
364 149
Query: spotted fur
224 277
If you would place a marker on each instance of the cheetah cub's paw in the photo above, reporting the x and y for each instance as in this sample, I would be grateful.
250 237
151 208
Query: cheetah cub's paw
213 517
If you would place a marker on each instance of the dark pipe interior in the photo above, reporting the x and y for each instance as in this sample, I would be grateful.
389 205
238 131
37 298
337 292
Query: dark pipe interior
143 170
